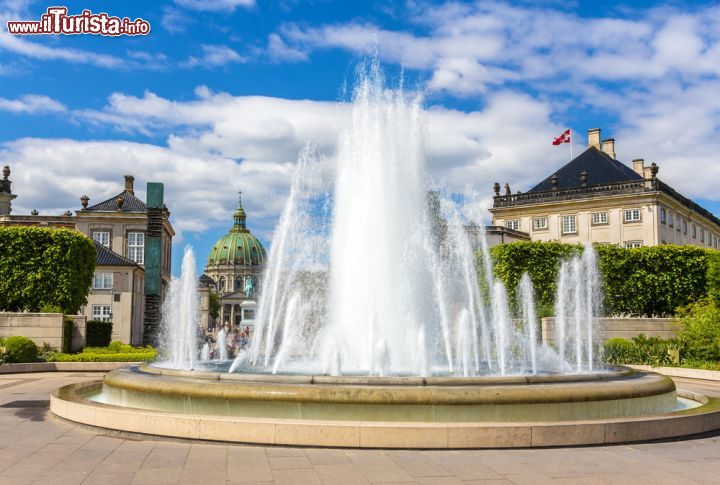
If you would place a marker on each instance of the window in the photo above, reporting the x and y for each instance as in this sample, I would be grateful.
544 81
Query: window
136 247
684 227
540 223
633 244
102 312
679 223
702 235
103 281
671 220
663 215
512 224
102 237
599 218
694 231
569 225
632 215
221 284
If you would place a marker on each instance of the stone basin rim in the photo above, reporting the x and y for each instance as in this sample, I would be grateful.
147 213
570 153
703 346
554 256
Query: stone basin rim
625 385
609 372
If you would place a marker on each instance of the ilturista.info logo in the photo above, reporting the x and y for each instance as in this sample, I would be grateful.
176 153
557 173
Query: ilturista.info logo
56 21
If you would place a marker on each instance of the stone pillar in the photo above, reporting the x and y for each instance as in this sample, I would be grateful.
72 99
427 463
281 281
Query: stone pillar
6 195
153 264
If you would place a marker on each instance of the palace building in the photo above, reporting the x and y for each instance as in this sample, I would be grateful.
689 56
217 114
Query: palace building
118 226
597 199
234 271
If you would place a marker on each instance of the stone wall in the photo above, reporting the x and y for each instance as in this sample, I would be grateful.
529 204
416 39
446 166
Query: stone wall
42 328
607 328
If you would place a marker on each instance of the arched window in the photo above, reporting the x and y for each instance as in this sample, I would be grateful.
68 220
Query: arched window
221 285
239 283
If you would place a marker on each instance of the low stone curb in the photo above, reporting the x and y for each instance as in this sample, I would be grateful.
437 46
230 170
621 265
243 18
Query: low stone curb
62 367
68 403
707 375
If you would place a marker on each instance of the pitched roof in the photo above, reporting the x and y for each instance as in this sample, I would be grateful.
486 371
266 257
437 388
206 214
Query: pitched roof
130 204
601 169
106 257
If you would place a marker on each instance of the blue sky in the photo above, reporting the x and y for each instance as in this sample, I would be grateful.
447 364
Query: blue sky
223 94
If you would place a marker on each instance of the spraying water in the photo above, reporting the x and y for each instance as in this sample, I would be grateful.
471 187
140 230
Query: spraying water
376 274
180 317
576 308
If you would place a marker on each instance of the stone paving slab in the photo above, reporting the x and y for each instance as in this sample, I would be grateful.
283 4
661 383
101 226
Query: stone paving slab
37 448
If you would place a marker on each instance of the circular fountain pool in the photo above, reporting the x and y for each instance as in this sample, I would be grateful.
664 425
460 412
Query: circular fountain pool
618 405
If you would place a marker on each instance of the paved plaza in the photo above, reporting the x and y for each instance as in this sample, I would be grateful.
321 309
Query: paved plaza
35 447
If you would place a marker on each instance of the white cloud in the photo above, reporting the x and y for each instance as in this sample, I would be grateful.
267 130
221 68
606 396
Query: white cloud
219 143
215 5
469 47
214 56
31 104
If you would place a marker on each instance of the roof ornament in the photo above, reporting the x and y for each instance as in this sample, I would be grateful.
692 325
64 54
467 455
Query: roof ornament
507 189
84 201
6 172
34 212
120 201
584 178
554 181
496 189
654 170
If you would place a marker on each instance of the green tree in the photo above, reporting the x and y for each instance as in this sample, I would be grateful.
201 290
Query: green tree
43 268
214 310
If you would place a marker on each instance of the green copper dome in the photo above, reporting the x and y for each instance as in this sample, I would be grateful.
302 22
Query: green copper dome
238 246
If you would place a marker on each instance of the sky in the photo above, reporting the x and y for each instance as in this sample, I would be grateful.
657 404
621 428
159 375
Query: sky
223 95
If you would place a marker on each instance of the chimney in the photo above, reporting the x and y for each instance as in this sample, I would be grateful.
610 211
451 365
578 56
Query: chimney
608 146
639 166
129 184
594 138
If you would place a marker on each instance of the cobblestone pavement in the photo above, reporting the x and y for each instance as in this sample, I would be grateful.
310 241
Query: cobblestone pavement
35 447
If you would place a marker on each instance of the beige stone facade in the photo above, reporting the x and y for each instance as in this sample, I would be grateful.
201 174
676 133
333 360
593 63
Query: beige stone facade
118 226
632 208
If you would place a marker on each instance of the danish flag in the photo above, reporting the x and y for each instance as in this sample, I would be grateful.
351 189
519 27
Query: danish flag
564 138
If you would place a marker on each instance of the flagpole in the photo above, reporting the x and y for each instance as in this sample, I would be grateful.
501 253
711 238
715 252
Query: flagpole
571 143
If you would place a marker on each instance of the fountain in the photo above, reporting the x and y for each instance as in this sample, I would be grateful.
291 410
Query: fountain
377 327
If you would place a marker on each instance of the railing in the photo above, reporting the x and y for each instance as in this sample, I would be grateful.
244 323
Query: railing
589 191
601 190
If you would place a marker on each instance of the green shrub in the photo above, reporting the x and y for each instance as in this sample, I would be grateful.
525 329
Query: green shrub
98 334
641 350
20 349
46 352
618 351
42 268
541 260
647 281
117 346
713 276
126 353
700 330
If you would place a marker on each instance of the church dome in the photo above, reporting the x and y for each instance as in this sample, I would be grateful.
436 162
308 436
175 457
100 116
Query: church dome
239 246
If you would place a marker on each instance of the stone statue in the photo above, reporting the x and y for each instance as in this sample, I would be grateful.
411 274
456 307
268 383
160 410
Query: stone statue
249 286
507 189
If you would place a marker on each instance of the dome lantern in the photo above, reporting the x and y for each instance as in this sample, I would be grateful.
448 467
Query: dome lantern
239 216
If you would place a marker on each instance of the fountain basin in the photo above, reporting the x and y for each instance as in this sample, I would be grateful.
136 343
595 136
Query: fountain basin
618 406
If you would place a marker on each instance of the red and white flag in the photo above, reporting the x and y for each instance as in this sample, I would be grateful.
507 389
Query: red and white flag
564 138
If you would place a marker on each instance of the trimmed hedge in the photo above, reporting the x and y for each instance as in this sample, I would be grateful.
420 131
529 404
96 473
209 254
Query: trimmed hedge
646 281
20 350
115 352
43 267
106 357
68 328
98 334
